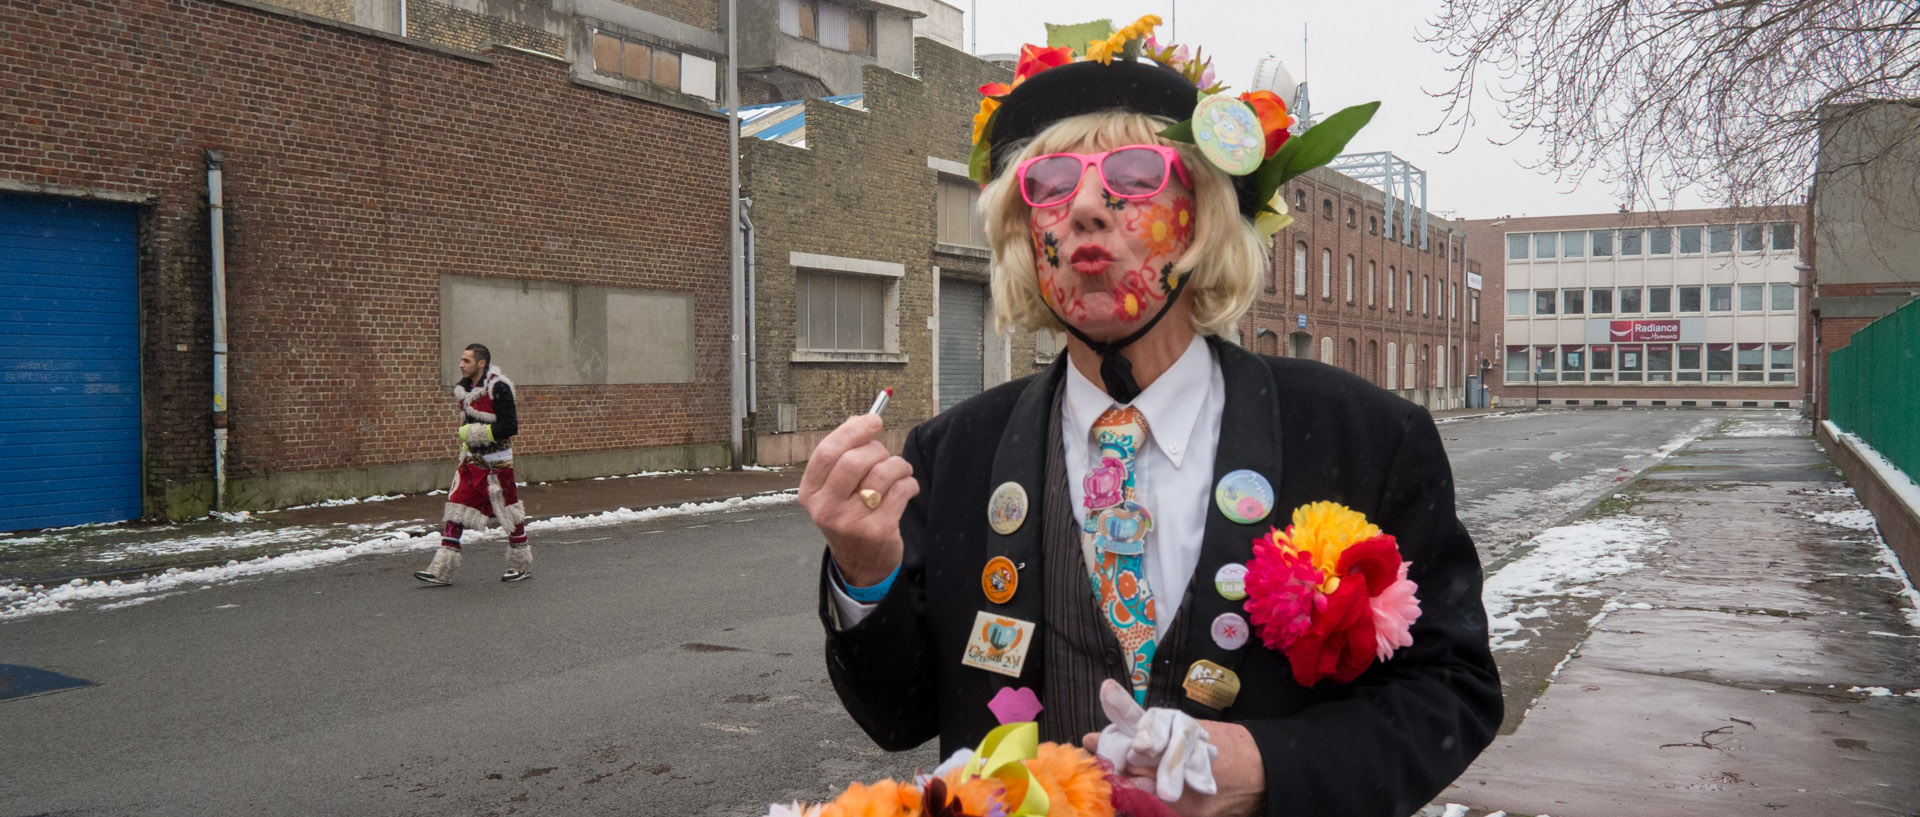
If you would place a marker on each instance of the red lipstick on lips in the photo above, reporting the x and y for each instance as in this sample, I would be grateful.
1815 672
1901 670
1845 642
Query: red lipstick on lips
1091 259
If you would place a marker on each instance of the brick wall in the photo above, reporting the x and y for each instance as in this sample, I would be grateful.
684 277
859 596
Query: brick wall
861 188
1361 331
358 170
441 24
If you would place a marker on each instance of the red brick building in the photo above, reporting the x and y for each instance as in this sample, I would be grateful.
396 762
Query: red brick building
386 200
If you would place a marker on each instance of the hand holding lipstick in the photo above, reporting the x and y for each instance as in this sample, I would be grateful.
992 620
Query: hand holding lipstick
855 491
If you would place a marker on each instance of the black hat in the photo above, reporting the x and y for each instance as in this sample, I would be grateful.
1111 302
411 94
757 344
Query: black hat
1090 86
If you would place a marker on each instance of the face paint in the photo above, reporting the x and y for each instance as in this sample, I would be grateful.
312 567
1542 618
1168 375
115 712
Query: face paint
1105 263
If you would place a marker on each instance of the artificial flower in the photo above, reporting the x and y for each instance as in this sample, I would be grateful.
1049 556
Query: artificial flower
1034 59
1272 219
1104 483
1076 786
1274 121
1394 611
989 102
1325 530
1339 643
1331 593
1101 51
887 798
1282 591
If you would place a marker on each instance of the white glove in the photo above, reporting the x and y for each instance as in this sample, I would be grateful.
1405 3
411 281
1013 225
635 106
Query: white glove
1167 740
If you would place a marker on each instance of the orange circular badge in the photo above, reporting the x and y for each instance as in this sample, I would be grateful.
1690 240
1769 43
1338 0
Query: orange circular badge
999 580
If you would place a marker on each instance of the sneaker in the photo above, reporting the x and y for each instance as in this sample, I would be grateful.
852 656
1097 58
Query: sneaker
430 579
519 563
515 575
440 572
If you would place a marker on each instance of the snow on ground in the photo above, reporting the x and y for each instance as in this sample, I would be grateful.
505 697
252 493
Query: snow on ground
18 601
1564 561
1855 519
1500 513
334 503
1861 519
1786 425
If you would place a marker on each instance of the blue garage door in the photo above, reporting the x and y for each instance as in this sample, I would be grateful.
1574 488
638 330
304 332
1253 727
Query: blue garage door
69 363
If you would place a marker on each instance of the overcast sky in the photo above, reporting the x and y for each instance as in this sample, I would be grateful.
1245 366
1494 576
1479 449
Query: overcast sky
1360 50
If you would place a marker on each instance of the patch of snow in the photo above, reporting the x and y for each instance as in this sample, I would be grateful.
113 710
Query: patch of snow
1564 561
1559 456
1855 519
334 503
1767 428
232 516
1874 692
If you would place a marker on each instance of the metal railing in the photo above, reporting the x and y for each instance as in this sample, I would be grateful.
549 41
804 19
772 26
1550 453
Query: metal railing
1873 386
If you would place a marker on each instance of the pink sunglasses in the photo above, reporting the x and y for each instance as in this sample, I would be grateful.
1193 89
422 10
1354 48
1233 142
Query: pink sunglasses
1130 172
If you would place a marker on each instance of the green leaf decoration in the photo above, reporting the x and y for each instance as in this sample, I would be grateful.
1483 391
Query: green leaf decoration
1078 35
1318 146
982 158
1181 131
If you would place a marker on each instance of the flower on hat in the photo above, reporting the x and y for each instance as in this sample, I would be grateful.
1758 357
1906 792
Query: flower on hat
1330 592
1274 120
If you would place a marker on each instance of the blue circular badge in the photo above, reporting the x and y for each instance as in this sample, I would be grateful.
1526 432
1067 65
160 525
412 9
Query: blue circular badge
1244 496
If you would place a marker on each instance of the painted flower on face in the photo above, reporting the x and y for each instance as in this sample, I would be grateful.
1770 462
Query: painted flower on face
1105 483
1130 298
1274 121
1167 228
1050 250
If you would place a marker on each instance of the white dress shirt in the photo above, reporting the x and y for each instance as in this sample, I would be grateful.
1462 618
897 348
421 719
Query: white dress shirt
1173 479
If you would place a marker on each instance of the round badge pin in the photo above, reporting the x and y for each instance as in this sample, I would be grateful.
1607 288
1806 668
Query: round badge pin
1230 631
1122 529
999 580
1244 496
1231 581
1007 509
1228 132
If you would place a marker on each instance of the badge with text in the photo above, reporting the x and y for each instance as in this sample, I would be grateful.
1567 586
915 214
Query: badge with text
1244 496
1007 508
1231 581
999 580
1212 685
999 644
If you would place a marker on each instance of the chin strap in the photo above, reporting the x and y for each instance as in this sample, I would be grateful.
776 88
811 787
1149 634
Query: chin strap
1116 371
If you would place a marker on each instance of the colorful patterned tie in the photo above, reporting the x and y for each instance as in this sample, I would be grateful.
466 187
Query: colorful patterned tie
1115 533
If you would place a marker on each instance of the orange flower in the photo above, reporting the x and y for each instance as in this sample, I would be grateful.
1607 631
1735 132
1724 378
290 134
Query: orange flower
1034 59
1073 781
1274 120
887 798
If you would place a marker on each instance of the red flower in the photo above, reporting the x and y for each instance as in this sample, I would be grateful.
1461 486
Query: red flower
1034 59
1281 594
1340 643
1274 120
1376 559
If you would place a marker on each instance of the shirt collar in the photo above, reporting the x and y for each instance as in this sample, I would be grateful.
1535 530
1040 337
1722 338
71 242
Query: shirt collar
1172 404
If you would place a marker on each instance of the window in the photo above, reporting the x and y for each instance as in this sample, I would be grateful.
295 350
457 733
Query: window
830 24
1571 301
1390 277
1659 363
1630 242
1750 295
1600 364
807 19
1751 369
1752 237
1473 307
1573 364
1393 366
1517 247
1543 244
1300 269
1326 351
1349 279
1543 363
1326 274
1720 299
1719 362
1372 268
1689 360
1453 302
1573 245
1409 292
1426 286
1659 300
1602 301
657 65
1373 225
841 313
1326 209
1660 241
1783 235
1782 298
1602 243
860 32
959 220
1630 360
1516 303
1689 299
1300 200
1719 238
1780 363
1689 240
1353 219
1543 302
1629 300
1516 364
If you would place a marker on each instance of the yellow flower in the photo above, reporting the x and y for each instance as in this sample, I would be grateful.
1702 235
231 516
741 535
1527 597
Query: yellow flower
1324 530
1101 51
987 107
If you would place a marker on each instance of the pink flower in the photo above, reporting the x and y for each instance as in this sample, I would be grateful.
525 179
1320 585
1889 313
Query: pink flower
1282 594
1394 612
1104 483
1250 508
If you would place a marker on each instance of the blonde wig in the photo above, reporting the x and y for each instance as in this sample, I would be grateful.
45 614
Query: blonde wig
1224 260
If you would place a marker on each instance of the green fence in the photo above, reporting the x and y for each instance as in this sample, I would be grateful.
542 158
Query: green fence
1873 387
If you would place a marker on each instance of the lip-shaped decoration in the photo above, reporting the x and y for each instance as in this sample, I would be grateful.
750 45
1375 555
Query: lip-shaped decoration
1091 259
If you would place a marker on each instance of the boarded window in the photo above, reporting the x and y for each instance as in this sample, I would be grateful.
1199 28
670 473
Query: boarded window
840 313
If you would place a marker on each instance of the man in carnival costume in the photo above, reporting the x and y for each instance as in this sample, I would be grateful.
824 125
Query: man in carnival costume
483 490
1244 573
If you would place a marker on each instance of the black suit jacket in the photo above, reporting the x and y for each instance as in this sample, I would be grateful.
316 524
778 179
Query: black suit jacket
1385 744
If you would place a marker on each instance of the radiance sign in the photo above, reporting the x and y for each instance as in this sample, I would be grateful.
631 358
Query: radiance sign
1670 330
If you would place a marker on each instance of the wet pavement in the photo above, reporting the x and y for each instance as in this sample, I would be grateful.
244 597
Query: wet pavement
1763 658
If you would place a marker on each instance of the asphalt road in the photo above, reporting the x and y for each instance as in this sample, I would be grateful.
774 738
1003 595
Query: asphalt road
647 669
